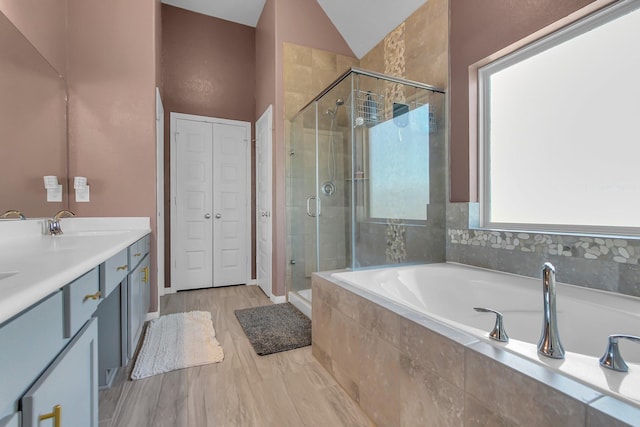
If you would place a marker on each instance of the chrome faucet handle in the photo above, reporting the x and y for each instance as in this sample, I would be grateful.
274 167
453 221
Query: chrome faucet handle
53 227
498 333
612 359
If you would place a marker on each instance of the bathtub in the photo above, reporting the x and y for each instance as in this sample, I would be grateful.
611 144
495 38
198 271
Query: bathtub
448 292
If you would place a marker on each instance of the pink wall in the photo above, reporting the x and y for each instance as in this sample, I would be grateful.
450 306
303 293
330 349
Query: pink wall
208 69
32 118
111 73
208 65
43 22
301 22
477 30
266 58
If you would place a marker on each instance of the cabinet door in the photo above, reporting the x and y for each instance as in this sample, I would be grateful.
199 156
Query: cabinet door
109 338
146 289
70 383
28 344
137 303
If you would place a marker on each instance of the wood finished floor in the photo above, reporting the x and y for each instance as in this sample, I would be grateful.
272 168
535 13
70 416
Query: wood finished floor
282 389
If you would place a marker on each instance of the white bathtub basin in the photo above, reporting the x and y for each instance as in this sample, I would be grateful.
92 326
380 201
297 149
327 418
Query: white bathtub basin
586 317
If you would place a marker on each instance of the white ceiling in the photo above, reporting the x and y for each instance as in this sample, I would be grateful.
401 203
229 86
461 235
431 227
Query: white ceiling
245 12
362 23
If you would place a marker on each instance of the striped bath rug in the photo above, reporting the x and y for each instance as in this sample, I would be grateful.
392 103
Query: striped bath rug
176 341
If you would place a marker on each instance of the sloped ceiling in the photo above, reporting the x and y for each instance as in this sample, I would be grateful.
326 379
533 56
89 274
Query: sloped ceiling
246 12
362 23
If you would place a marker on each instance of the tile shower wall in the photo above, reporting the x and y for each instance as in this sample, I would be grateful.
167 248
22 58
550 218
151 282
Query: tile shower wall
307 71
416 50
604 263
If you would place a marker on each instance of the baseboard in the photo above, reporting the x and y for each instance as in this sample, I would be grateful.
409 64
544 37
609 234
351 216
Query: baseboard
252 282
278 299
168 291
152 315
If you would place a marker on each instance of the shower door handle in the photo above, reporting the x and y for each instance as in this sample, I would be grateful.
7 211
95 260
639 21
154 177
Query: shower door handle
318 207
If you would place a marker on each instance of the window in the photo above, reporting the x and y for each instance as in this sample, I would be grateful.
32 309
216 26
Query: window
399 165
560 129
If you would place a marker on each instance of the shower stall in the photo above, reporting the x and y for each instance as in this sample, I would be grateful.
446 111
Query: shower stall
365 179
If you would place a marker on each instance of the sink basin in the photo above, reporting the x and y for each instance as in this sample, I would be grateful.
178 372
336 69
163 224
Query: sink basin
95 233
4 275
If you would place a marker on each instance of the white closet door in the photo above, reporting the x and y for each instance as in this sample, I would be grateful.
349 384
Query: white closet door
193 246
230 204
210 225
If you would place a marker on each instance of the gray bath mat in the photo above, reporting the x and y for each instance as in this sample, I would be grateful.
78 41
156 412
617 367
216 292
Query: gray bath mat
275 328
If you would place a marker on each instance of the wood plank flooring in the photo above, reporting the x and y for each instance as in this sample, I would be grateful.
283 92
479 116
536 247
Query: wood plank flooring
283 389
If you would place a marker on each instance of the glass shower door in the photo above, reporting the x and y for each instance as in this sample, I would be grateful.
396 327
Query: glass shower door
303 204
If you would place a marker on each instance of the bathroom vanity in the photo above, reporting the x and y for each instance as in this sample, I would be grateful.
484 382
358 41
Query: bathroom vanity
72 309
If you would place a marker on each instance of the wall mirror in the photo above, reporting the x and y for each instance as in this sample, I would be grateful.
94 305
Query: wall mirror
33 126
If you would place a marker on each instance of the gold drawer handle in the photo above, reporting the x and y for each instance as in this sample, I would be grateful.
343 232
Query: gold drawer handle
138 254
92 296
145 279
122 267
56 415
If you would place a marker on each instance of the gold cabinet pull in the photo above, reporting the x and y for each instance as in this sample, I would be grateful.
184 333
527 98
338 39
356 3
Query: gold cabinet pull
92 296
138 254
122 267
145 279
56 415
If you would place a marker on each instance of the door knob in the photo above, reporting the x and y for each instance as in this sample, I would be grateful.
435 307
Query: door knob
218 216
207 215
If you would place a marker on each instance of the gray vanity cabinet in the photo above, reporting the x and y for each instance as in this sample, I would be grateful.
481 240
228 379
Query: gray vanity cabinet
48 358
67 389
28 343
55 354
138 294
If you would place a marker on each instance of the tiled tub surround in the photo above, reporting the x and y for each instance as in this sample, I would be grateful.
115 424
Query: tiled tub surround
600 262
405 368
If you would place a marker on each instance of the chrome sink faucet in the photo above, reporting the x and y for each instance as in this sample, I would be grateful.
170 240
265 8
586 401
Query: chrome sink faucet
54 228
549 344
13 212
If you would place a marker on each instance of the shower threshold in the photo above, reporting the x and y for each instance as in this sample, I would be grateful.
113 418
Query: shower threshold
302 301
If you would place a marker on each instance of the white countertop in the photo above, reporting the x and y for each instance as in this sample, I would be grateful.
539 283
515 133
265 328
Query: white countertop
43 264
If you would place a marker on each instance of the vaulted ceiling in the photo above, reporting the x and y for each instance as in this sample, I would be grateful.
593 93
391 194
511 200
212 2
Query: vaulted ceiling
362 23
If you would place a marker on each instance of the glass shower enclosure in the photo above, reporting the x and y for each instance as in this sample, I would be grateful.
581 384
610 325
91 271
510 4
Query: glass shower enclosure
365 179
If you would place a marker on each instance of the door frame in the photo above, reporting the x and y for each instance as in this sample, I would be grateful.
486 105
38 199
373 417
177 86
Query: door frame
173 118
267 118
160 215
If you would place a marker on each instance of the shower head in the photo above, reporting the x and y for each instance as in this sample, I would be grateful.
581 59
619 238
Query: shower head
332 112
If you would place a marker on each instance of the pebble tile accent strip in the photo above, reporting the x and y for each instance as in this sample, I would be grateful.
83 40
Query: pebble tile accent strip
594 248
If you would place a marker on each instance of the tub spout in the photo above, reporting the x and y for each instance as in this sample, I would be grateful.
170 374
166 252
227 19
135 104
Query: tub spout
549 344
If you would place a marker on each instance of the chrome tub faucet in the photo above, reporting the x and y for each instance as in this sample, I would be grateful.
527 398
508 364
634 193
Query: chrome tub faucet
54 228
549 344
